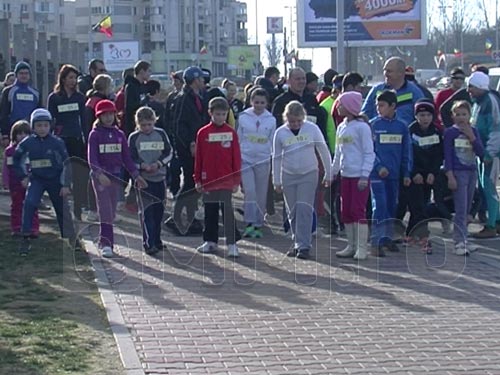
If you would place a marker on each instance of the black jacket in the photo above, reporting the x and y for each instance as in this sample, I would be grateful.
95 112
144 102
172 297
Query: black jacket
188 120
427 150
85 84
315 113
134 95
272 90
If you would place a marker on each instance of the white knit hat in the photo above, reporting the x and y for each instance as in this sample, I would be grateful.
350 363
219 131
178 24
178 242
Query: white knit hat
479 80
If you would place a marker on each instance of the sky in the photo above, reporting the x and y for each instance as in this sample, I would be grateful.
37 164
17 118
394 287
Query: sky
280 8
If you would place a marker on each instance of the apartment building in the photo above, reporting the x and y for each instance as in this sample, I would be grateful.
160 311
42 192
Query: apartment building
171 33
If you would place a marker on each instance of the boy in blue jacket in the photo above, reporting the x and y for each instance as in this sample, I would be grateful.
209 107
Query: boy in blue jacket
393 159
49 170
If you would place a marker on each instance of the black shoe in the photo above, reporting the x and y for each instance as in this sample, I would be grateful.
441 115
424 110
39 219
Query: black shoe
292 253
303 254
161 247
150 250
24 247
393 247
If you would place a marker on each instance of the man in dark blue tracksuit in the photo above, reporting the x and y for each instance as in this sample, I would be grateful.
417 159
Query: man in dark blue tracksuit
49 170
17 101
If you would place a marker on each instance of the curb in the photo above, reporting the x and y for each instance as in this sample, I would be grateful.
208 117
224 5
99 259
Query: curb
126 348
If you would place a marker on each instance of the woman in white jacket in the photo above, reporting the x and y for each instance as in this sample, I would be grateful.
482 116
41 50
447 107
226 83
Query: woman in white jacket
295 172
255 131
354 157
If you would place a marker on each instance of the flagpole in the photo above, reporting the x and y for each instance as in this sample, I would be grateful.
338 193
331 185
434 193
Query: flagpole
90 38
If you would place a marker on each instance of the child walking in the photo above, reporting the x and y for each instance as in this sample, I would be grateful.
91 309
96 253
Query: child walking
354 157
49 170
296 172
151 151
255 133
393 158
427 144
19 131
217 174
462 146
107 153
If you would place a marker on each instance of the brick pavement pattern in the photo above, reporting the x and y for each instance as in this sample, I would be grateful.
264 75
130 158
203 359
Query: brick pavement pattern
265 313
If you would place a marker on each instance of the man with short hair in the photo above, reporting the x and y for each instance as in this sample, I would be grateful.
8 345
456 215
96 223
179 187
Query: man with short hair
17 101
135 93
96 67
270 83
457 91
486 119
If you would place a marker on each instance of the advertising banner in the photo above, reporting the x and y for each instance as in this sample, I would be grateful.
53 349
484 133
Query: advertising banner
118 56
243 57
367 23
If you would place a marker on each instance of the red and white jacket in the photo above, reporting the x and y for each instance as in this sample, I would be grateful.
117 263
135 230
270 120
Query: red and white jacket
217 162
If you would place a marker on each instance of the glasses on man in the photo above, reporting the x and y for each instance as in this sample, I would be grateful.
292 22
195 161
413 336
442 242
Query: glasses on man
459 78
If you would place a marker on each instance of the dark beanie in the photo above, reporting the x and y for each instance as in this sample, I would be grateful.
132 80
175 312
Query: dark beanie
328 76
311 77
22 65
424 106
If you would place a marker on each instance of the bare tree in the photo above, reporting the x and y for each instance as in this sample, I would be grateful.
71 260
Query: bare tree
274 52
481 4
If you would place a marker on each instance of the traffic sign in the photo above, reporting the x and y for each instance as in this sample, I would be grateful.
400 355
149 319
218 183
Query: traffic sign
274 25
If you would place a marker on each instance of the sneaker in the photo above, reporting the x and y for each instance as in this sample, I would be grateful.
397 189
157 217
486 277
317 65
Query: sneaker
161 247
303 254
150 250
446 224
292 253
207 247
461 249
199 214
92 216
377 251
249 231
232 251
24 247
257 233
486 232
107 252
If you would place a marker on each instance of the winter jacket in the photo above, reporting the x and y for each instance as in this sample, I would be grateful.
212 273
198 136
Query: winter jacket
486 119
255 133
427 150
68 113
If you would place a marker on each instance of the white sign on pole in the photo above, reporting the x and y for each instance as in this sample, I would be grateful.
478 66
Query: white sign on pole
274 25
118 56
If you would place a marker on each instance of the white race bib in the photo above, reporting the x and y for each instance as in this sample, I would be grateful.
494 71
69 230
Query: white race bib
345 140
391 138
110 148
10 160
151 146
40 163
25 97
258 139
296 139
462 143
71 107
220 137
428 141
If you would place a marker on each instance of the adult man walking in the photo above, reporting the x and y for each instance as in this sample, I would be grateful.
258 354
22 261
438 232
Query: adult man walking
96 67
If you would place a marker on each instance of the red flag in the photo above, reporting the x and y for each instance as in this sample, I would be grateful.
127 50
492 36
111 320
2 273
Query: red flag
104 26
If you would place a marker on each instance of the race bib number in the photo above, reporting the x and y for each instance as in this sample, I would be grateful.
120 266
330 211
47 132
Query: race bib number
258 139
110 148
296 139
313 119
25 97
345 140
428 141
220 137
10 160
41 163
391 138
151 146
463 143
71 107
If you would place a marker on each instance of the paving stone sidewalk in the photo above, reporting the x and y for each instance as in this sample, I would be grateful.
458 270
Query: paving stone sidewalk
186 313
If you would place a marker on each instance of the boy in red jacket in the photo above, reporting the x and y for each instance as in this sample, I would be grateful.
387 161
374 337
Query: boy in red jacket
217 174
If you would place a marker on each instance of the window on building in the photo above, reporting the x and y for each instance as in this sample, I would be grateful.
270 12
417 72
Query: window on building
24 8
6 7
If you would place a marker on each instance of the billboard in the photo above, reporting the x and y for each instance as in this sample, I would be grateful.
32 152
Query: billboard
118 56
367 23
243 57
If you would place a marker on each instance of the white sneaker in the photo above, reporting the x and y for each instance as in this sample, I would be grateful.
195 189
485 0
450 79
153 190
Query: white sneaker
232 251
461 249
207 247
92 216
107 252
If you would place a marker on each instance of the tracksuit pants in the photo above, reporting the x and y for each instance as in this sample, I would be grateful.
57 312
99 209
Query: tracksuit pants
384 204
151 210
213 202
462 199
352 201
491 195
253 177
106 199
17 195
300 192
34 193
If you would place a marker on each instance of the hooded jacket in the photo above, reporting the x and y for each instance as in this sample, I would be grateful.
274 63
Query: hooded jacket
256 133
427 150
